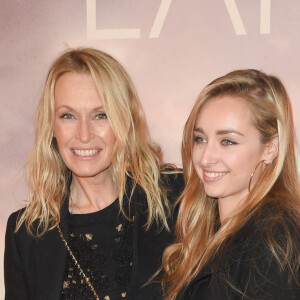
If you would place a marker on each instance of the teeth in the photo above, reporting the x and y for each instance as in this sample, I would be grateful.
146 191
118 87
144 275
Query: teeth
214 174
86 152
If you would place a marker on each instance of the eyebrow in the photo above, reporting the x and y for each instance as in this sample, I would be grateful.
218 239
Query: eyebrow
70 108
221 132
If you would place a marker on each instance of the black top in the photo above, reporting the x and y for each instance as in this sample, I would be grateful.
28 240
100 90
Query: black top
247 264
34 268
102 243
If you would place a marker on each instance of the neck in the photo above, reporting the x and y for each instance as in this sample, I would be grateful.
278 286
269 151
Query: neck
226 207
89 195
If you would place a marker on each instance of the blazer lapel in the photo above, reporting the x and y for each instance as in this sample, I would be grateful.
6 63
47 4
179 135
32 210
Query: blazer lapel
51 259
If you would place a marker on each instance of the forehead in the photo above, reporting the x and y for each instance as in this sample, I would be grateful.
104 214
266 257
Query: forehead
73 88
225 112
72 81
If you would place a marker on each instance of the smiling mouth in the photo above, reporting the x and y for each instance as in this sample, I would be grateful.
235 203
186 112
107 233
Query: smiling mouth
213 176
89 152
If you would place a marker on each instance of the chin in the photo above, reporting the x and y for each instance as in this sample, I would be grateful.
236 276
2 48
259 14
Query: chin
212 194
85 174
91 172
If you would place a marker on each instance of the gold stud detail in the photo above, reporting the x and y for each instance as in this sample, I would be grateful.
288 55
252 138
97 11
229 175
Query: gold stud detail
89 236
119 227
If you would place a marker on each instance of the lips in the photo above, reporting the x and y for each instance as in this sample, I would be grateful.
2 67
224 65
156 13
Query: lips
85 152
213 176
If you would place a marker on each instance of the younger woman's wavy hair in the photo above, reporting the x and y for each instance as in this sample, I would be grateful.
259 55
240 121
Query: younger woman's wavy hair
135 154
196 238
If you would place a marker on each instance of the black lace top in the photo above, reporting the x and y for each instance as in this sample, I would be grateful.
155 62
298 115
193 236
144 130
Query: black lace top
102 243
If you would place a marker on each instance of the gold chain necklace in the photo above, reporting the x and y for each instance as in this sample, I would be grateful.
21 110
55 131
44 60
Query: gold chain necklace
75 206
81 272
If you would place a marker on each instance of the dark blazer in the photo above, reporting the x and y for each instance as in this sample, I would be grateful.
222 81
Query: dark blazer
248 263
34 267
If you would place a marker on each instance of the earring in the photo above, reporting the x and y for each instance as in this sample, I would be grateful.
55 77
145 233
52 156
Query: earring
251 176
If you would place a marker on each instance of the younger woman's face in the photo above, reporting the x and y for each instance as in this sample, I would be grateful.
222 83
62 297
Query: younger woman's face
227 148
83 133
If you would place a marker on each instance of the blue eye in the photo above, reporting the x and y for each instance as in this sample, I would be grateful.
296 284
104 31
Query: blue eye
228 142
67 116
101 116
199 140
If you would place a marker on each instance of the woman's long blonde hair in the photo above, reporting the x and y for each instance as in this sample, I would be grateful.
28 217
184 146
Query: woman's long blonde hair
196 237
135 154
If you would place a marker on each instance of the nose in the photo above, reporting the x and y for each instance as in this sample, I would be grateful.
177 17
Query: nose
85 131
209 155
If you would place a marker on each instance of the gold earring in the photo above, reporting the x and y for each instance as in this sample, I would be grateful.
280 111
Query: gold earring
251 176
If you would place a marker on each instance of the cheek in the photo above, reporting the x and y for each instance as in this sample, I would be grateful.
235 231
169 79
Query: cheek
196 155
108 136
62 134
196 159
55 130
243 164
59 135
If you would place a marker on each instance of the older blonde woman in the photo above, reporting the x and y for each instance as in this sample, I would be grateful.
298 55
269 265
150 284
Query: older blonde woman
97 219
238 231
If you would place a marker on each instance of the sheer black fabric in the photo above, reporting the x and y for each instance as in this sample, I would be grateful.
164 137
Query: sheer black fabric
102 242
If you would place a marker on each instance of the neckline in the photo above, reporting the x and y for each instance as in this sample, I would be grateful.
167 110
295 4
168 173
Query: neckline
105 214
115 203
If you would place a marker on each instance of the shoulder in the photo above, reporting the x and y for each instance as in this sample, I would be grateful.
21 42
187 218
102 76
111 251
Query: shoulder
170 181
274 224
20 236
270 221
262 258
269 237
173 181
172 176
266 250
13 219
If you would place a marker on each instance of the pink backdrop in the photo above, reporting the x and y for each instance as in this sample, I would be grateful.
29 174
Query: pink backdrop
171 48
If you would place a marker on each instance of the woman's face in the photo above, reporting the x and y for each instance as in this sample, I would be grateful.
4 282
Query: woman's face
227 148
84 135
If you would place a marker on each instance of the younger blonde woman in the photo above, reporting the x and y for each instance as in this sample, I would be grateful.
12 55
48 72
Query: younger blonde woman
237 233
